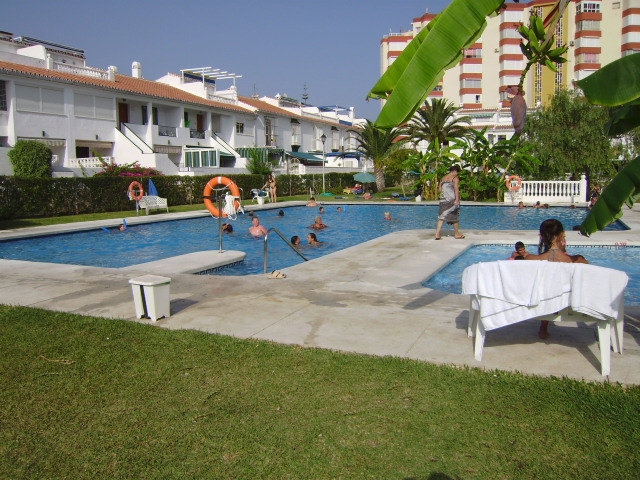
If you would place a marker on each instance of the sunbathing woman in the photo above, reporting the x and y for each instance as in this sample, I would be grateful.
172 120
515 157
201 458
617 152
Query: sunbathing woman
552 248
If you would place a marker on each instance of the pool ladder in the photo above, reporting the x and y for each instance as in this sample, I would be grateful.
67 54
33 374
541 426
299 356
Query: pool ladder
266 247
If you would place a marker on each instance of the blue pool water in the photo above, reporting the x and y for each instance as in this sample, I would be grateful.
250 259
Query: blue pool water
627 259
357 224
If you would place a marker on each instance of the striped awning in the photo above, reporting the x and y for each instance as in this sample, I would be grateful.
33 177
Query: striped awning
50 142
167 149
93 144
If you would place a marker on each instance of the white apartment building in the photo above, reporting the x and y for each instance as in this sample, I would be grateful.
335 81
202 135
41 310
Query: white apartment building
183 123
596 31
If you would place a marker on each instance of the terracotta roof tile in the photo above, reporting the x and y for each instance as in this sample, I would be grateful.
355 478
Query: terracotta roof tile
122 83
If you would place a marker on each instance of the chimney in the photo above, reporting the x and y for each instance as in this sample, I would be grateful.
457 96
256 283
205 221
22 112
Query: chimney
136 70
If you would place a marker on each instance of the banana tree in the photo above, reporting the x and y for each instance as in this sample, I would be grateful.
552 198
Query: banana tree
616 85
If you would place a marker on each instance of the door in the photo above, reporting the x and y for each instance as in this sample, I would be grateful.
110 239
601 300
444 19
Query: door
123 114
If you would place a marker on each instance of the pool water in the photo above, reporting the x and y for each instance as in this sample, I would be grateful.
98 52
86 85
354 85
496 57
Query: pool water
356 224
625 258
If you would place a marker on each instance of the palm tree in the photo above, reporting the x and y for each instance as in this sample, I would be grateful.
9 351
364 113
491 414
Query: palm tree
376 143
437 123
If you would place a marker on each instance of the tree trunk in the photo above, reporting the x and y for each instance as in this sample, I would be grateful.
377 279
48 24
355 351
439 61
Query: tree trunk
380 179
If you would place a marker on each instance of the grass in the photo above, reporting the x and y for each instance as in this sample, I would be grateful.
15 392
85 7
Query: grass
87 397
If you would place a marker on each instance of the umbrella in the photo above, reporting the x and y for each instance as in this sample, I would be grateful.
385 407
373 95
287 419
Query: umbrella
364 177
152 189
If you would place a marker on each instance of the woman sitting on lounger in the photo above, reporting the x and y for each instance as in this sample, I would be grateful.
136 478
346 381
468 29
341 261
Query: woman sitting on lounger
552 247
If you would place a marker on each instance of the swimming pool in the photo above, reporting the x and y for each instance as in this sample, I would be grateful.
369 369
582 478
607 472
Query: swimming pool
627 259
356 224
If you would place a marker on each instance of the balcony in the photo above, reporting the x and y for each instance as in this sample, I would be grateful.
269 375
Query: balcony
166 131
90 162
196 134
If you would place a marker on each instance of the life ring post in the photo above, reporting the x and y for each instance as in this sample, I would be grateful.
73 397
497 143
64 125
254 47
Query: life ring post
209 198
514 182
135 192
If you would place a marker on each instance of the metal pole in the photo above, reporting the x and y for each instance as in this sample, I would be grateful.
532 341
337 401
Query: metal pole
220 222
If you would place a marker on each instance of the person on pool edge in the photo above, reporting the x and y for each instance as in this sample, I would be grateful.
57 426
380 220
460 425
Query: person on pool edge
450 202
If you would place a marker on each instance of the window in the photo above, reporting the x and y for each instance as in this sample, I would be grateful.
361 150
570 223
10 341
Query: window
154 114
93 107
588 58
239 128
502 138
296 133
588 25
200 158
473 53
471 83
144 114
3 96
39 100
588 7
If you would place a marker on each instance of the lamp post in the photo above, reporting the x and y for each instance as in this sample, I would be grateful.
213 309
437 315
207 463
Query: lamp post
323 138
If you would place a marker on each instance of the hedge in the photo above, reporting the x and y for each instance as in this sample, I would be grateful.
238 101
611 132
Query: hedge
53 197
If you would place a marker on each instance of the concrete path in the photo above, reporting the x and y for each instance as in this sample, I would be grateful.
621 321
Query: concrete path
367 299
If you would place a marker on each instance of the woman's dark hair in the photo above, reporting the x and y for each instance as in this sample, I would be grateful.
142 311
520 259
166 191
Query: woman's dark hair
549 229
455 167
294 239
281 213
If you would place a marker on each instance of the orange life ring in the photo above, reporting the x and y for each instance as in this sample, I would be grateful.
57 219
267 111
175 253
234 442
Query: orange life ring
132 193
208 190
514 183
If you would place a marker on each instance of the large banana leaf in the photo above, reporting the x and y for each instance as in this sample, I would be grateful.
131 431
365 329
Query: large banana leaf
617 85
419 68
614 84
623 189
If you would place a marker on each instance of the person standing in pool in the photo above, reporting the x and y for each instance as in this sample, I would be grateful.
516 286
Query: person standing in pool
256 229
450 202
552 247
271 183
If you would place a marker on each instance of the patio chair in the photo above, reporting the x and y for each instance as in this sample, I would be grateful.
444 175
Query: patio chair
257 193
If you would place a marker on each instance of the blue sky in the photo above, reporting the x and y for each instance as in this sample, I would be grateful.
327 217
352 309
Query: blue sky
278 46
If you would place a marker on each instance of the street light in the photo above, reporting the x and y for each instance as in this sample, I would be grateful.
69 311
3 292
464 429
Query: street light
323 138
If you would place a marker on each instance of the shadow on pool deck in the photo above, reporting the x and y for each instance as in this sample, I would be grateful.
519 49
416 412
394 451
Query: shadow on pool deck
367 299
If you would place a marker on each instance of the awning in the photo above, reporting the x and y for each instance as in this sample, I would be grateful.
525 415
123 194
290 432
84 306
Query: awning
307 157
50 142
345 154
167 149
93 144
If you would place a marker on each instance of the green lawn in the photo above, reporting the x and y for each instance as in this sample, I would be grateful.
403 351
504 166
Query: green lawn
86 397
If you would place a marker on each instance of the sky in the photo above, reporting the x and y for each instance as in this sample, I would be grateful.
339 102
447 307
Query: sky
277 46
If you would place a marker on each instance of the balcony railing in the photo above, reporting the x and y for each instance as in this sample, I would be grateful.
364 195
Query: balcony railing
166 131
85 71
549 191
196 134
90 162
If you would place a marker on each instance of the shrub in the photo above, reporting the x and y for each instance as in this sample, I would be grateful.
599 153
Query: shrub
31 159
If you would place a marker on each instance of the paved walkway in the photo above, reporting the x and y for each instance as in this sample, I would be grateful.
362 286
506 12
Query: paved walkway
366 299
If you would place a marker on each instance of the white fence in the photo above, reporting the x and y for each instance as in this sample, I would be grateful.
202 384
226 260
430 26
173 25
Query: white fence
549 191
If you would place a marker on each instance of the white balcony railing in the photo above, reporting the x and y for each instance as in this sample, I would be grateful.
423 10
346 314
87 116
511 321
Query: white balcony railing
551 191
90 162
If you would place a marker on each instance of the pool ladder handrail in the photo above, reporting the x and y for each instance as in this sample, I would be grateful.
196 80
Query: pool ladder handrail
266 247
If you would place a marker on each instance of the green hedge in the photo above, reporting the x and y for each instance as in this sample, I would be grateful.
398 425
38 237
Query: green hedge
52 197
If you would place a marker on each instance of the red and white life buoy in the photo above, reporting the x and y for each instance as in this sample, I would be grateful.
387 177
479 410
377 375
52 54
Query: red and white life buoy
208 190
133 193
514 183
